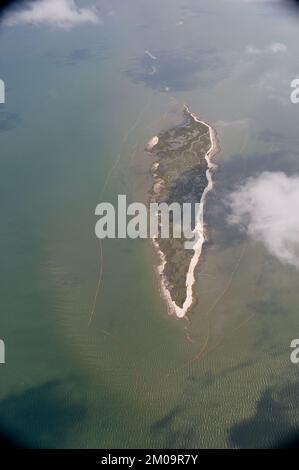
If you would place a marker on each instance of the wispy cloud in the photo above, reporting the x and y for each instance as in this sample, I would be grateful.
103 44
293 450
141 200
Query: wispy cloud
238 123
266 207
57 13
274 48
274 86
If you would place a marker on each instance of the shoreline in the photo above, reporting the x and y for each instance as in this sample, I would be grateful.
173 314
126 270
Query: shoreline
198 231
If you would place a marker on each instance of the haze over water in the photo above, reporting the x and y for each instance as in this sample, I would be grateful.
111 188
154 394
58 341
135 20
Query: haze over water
81 103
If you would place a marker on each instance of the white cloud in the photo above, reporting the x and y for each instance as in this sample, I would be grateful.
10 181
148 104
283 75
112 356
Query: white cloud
267 208
274 48
58 13
278 47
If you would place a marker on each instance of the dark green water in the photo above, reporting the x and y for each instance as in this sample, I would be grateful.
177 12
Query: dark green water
81 105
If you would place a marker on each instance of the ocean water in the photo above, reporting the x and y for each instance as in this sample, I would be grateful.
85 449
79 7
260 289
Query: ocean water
92 357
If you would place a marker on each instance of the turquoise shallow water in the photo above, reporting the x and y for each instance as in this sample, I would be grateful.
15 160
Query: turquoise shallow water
81 104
